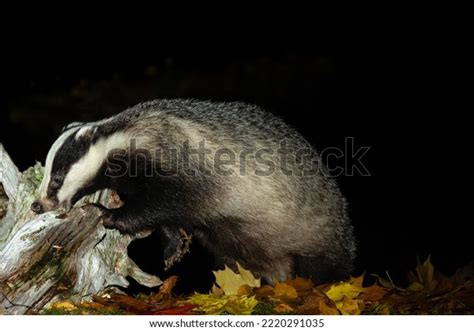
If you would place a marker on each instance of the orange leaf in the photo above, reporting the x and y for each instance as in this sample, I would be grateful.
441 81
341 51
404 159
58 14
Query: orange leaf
283 308
285 290
244 290
325 309
168 285
373 293
357 281
265 291
300 284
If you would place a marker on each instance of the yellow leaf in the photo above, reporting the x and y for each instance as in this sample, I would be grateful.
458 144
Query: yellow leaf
425 274
235 305
66 305
285 290
230 282
415 287
349 306
337 292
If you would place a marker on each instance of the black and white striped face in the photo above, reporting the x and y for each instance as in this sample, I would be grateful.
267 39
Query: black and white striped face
72 166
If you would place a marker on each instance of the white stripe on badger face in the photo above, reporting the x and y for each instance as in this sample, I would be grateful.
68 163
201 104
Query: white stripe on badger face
57 145
87 167
50 158
85 130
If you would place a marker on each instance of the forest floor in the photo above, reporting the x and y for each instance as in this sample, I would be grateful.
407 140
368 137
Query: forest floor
429 292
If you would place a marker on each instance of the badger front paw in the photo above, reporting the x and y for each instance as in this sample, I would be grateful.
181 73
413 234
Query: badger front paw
111 223
111 220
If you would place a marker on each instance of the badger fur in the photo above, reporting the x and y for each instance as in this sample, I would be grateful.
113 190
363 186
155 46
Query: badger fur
260 207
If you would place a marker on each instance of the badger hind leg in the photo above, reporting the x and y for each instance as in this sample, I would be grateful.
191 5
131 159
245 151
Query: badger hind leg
174 244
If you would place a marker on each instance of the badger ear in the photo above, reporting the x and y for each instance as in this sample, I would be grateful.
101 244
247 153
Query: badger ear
86 133
72 125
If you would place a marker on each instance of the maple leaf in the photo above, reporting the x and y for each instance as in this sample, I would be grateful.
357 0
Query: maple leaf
230 282
338 292
357 281
345 296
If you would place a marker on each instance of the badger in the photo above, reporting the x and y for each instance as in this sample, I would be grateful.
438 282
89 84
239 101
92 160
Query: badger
247 186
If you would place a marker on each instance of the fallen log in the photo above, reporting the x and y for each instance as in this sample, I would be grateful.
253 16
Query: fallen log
53 256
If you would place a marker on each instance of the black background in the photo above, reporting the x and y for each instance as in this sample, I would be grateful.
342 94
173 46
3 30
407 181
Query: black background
387 99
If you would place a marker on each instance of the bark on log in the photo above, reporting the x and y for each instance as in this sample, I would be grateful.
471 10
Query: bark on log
47 257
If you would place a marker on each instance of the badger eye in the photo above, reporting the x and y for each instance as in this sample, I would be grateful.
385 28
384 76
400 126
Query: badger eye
56 181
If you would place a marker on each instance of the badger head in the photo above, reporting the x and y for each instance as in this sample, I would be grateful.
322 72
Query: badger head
72 166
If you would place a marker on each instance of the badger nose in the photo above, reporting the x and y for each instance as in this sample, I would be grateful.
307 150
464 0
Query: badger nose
37 207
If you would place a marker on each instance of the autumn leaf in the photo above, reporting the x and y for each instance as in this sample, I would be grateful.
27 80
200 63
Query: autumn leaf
349 306
300 284
216 291
316 304
285 291
338 292
373 293
168 285
231 304
415 287
326 309
244 290
264 291
384 282
345 296
230 282
357 281
165 289
425 273
283 308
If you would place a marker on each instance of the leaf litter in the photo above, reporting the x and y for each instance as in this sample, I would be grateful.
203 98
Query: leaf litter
240 293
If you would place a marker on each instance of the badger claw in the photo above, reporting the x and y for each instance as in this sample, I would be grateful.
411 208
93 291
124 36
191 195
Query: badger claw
110 223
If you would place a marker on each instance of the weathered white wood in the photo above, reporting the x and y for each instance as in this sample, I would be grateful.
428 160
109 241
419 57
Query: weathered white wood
9 174
46 256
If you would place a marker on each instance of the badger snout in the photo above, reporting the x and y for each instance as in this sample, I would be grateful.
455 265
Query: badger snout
42 205
37 207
